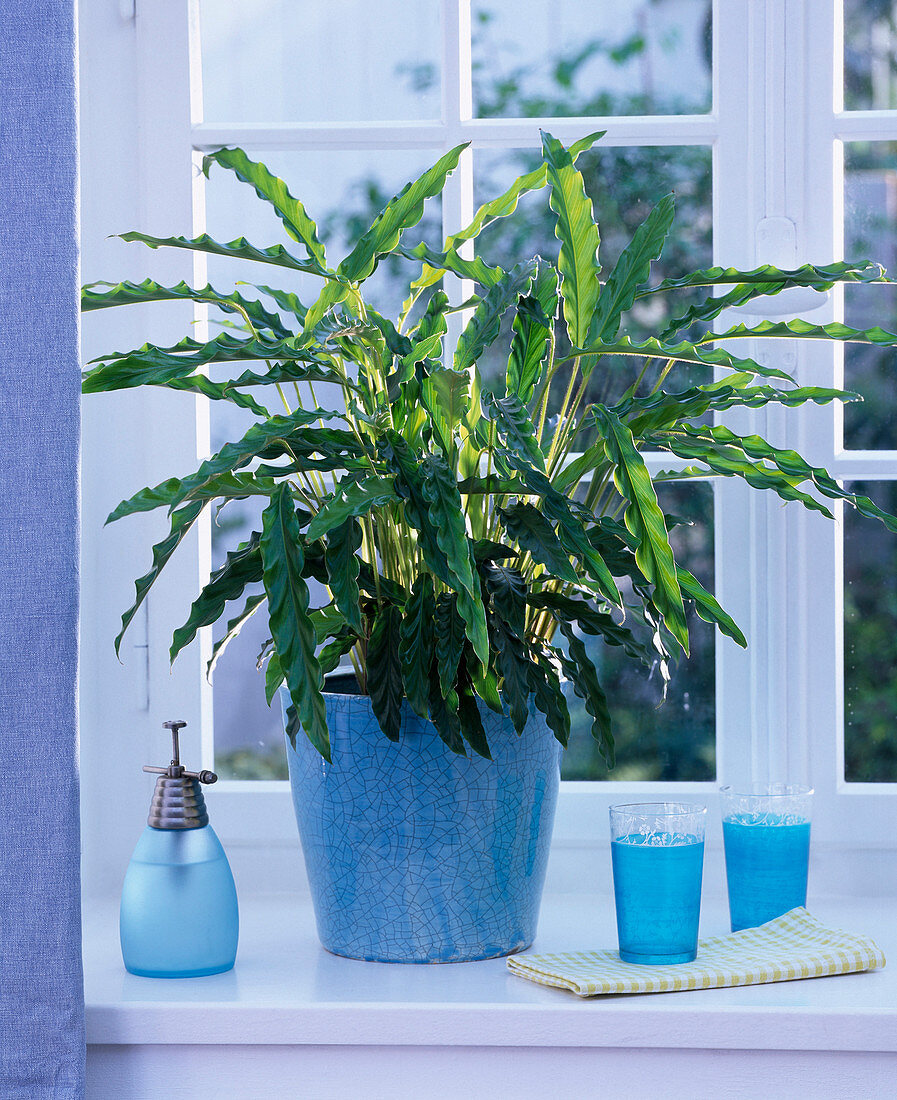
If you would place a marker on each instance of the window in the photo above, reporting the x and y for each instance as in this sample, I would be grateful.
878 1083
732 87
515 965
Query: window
737 106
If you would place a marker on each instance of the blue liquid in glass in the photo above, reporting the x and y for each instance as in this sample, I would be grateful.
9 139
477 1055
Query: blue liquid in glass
657 887
179 915
766 868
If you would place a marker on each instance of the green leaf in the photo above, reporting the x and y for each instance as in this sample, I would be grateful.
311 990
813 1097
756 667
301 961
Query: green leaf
343 567
471 724
532 531
400 213
644 518
708 607
445 394
444 716
416 643
102 295
483 327
238 249
449 640
273 677
579 669
331 654
631 270
291 628
576 230
576 612
436 264
274 191
351 498
515 427
803 330
548 695
507 590
233 628
241 567
819 278
384 670
531 340
446 514
680 353
181 522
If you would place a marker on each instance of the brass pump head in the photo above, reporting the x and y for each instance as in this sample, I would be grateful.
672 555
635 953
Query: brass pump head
177 800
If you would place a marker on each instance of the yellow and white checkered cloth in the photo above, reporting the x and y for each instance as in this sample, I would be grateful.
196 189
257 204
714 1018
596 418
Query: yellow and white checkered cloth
792 946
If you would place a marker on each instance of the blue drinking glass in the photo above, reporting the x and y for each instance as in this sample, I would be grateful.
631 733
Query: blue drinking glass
657 854
766 834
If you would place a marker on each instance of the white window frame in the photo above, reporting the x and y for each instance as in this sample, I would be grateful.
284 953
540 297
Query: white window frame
775 132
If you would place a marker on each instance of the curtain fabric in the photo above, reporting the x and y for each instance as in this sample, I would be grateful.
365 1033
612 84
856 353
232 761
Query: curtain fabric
41 996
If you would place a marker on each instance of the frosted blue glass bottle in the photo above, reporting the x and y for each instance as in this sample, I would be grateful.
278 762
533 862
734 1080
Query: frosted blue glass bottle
179 916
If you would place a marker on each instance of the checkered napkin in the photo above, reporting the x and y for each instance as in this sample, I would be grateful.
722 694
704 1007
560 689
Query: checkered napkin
795 945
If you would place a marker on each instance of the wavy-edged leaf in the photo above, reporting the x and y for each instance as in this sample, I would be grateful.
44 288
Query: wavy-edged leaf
631 270
500 207
279 435
352 498
810 275
532 531
241 567
507 592
803 330
228 486
233 628
416 643
274 191
237 249
589 620
102 295
181 522
471 723
684 352
708 607
663 409
291 628
569 526
515 427
444 716
792 465
446 514
400 213
450 637
576 230
548 695
284 299
579 669
483 327
531 340
436 264
644 518
384 670
343 567
727 457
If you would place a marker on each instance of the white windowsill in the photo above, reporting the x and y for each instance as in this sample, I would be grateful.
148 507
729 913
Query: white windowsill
286 990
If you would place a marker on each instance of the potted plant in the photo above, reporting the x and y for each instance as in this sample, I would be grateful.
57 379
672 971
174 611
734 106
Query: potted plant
464 533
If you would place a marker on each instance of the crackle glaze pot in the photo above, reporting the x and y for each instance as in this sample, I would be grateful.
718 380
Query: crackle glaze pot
415 854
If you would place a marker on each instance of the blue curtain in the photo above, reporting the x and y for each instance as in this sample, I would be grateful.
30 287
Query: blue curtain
41 996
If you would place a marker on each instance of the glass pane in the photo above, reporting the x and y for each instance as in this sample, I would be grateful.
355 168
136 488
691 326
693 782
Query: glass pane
675 740
633 57
319 60
623 184
343 191
870 640
870 231
870 55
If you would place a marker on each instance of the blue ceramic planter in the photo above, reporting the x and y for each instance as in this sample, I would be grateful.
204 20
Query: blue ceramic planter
415 854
